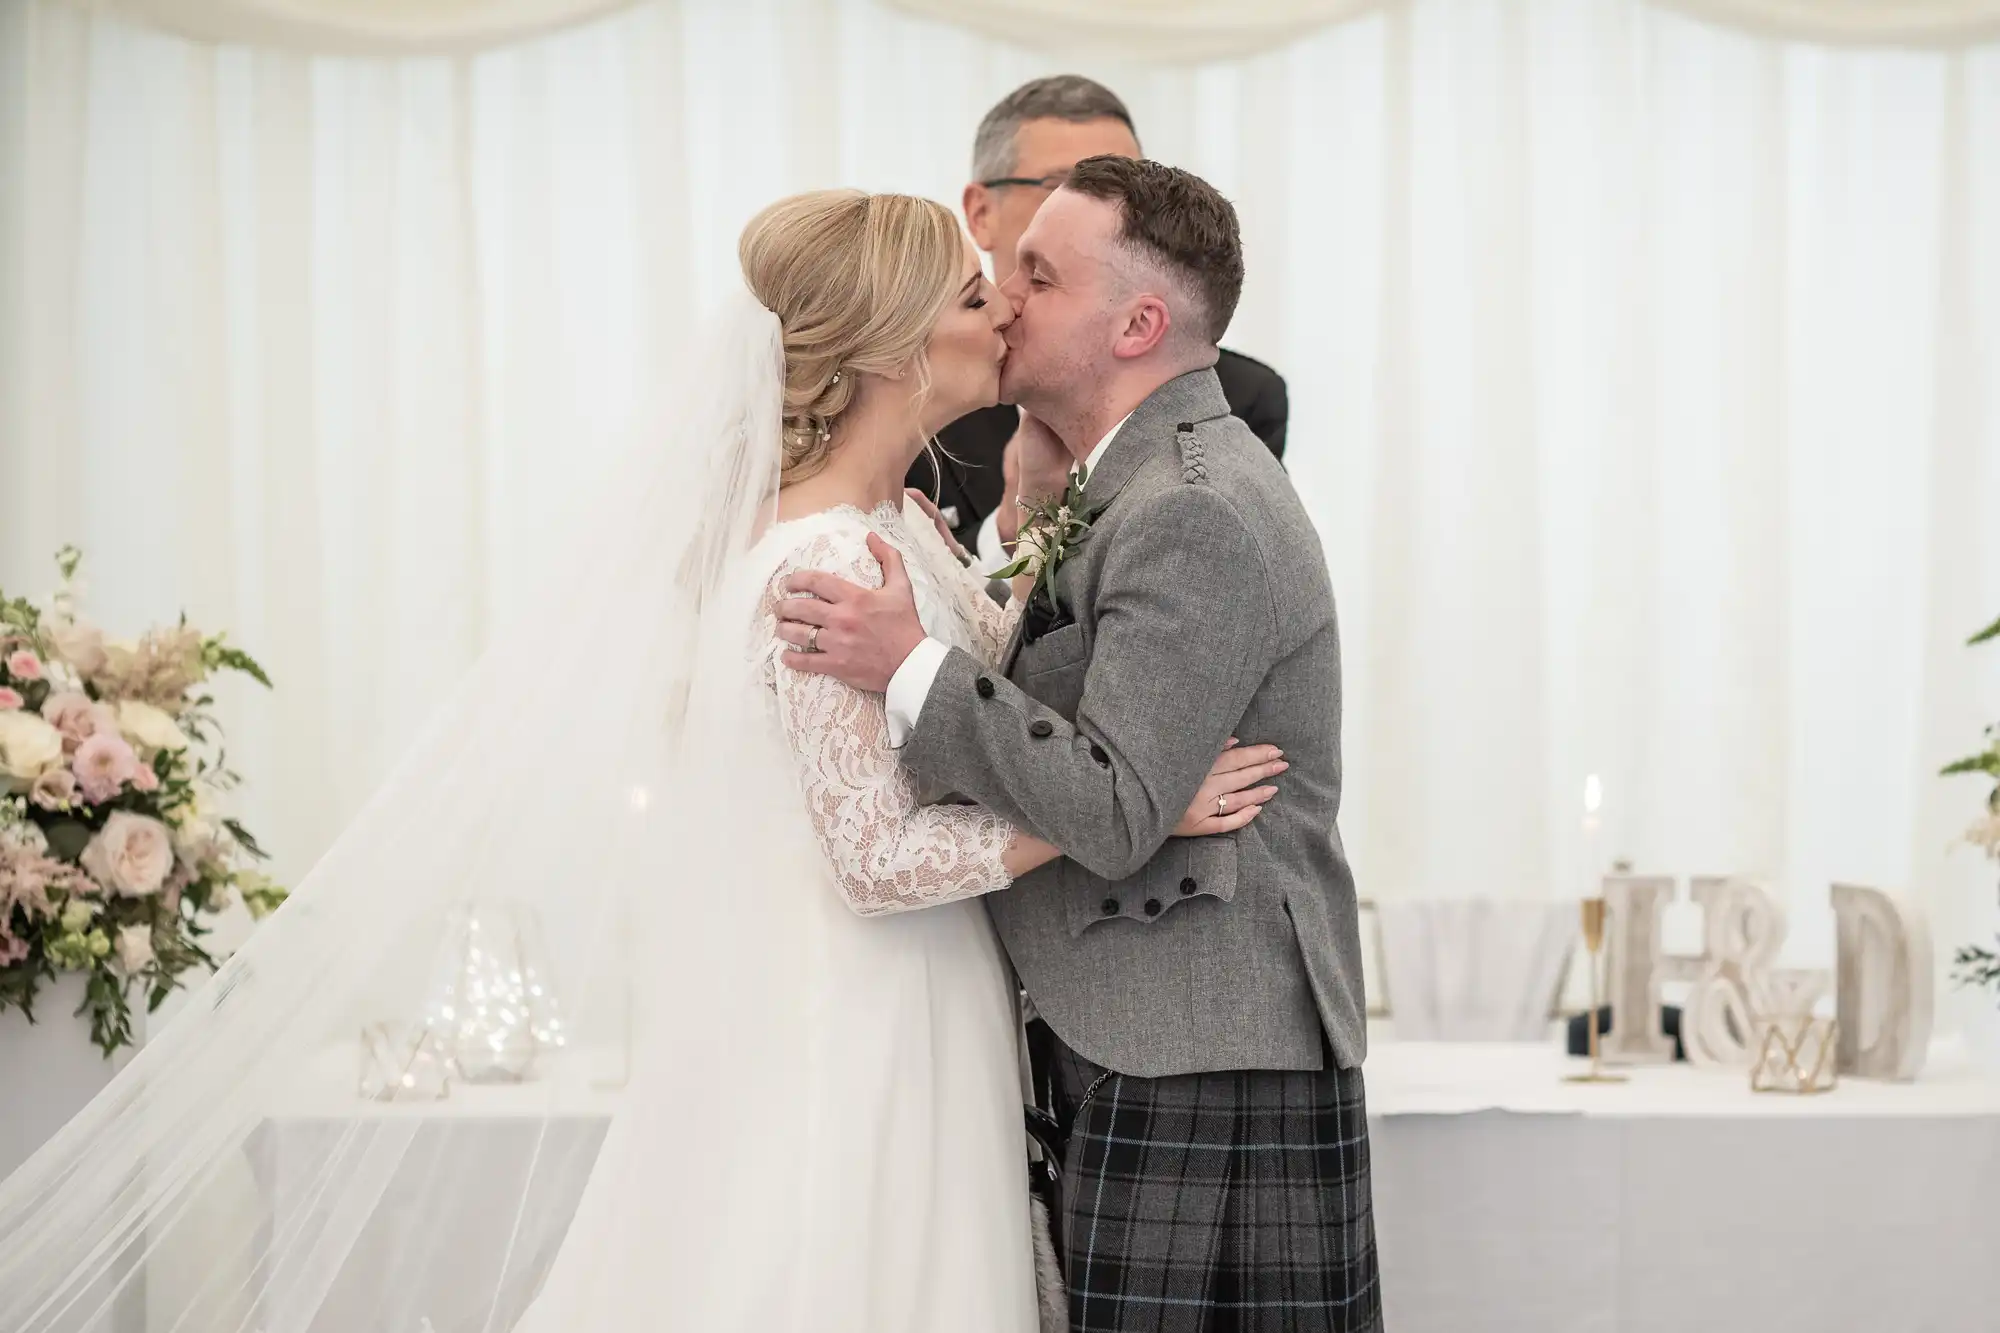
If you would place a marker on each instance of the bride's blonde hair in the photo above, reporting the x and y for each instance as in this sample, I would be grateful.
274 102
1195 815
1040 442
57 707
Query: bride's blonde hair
857 281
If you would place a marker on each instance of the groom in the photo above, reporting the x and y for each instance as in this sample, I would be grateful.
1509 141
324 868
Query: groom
1206 992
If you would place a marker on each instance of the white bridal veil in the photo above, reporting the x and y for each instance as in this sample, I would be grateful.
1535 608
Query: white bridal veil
565 857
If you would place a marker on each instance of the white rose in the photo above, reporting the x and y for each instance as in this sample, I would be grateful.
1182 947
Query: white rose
82 646
135 949
197 842
29 747
148 727
130 855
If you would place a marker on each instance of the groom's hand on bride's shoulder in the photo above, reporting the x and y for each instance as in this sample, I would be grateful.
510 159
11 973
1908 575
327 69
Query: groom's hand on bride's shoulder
856 635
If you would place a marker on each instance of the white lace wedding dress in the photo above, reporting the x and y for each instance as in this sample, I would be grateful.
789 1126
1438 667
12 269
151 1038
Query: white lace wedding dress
822 1131
869 1178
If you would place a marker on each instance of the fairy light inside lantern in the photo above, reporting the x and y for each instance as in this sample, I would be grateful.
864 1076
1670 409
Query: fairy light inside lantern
493 1002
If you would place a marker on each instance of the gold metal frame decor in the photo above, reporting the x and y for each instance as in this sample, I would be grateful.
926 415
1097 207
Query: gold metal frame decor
404 1062
1796 1055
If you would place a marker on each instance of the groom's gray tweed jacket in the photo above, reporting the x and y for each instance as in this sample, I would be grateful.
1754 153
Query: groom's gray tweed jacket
1202 610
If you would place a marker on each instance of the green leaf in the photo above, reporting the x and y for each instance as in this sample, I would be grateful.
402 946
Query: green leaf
67 839
242 836
219 654
110 1017
1977 967
1992 631
1988 763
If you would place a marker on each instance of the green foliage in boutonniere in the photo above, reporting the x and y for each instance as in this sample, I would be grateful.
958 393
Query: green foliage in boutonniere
1051 530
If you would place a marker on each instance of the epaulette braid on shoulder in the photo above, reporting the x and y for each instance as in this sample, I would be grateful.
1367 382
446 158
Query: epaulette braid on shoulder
1194 462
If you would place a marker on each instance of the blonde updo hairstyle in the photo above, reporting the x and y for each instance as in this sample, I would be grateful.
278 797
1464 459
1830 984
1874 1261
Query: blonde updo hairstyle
857 281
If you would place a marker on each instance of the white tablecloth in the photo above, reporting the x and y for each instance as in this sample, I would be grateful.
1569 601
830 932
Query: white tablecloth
1509 1202
1506 1200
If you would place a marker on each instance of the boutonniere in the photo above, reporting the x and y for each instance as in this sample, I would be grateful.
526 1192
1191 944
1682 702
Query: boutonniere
1051 530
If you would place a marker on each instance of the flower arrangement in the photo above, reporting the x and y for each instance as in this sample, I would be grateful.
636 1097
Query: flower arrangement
113 861
1051 530
1979 966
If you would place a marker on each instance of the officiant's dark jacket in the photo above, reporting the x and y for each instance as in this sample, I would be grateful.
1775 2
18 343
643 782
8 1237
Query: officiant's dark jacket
972 484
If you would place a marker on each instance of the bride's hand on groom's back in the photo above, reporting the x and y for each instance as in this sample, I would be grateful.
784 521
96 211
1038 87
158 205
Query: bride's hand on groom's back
1231 796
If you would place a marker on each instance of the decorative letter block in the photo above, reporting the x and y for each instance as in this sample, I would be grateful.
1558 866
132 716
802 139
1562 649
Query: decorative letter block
1638 1033
1742 927
1884 997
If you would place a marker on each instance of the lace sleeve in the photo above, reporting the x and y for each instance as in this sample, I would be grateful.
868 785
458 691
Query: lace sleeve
888 853
989 624
992 623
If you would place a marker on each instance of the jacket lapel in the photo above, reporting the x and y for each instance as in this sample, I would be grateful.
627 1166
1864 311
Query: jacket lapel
1152 429
1193 397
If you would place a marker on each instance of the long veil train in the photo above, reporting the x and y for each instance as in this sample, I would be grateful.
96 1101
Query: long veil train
234 1179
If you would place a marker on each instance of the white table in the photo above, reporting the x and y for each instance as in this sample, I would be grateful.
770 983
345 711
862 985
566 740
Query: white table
450 1175
1507 1200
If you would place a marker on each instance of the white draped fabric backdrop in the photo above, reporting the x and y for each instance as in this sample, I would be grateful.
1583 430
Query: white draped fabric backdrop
1643 381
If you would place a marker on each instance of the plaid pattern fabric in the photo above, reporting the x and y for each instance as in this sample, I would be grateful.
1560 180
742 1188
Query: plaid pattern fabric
1217 1203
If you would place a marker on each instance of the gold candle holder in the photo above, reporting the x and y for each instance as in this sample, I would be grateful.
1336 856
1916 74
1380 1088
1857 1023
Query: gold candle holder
1593 942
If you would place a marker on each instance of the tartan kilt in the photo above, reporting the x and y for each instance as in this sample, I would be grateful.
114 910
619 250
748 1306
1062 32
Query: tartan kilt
1233 1202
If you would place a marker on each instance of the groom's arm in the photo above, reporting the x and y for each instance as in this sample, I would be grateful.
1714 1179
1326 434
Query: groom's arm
1186 631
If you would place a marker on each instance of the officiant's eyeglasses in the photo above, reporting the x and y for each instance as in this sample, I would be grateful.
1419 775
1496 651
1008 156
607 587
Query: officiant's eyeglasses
1055 180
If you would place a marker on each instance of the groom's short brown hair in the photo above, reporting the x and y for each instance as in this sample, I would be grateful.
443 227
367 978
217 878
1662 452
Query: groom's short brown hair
1180 221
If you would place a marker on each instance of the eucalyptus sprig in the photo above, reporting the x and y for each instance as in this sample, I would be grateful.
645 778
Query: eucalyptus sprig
1050 531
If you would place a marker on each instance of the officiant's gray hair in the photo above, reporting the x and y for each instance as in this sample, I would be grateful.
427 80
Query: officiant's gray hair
1069 97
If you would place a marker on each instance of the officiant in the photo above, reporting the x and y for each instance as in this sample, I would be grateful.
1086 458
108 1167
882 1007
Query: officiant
1025 147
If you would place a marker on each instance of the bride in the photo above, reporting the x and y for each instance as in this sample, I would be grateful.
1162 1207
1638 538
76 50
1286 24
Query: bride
716 864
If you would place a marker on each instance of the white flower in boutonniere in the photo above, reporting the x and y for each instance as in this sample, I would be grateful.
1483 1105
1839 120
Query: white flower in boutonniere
1050 533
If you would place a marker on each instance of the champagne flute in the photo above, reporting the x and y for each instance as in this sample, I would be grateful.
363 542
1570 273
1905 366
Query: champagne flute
1592 920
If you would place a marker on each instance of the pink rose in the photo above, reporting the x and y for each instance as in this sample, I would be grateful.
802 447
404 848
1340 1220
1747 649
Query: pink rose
24 665
145 780
54 790
130 855
10 702
104 764
77 718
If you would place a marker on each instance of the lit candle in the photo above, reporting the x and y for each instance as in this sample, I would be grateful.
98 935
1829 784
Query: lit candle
1593 866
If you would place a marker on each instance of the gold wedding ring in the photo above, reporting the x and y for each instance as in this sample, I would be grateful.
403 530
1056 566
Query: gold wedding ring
1221 806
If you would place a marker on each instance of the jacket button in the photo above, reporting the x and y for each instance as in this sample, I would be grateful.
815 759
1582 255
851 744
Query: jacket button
1041 729
1184 428
1189 887
1103 759
1152 907
1111 907
983 688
